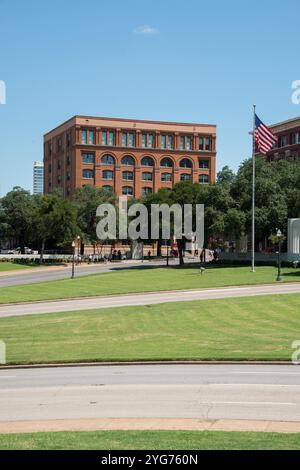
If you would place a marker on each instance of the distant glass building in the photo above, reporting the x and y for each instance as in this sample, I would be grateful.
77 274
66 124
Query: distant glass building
38 178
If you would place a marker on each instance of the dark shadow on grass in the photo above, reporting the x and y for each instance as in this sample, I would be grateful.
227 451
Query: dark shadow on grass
291 274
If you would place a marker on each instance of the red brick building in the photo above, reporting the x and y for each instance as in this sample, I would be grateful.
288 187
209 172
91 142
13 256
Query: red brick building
131 157
288 147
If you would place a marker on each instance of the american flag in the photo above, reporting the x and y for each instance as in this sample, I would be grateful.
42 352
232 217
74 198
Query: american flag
264 137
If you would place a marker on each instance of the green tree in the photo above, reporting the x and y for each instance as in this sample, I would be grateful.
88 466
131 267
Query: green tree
17 216
55 221
86 201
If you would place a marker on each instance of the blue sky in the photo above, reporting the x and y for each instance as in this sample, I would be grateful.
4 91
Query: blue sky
189 60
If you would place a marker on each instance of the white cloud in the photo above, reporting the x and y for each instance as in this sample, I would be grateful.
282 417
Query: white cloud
145 30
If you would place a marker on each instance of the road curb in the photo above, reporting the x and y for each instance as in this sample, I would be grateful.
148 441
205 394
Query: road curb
141 363
149 424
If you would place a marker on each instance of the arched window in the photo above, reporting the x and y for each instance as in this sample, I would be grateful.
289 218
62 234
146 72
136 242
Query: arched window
88 174
203 179
185 163
127 175
108 160
107 188
108 175
146 191
147 161
128 160
185 177
147 176
166 162
127 190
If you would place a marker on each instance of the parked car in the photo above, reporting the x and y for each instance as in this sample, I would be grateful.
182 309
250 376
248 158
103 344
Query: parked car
17 251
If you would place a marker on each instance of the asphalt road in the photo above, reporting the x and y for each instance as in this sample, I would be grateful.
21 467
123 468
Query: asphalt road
89 303
207 392
53 274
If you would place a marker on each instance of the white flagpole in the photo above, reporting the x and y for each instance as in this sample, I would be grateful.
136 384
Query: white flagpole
253 192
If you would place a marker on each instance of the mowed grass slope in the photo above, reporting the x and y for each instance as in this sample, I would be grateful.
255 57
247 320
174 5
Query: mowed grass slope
144 280
255 328
6 266
156 440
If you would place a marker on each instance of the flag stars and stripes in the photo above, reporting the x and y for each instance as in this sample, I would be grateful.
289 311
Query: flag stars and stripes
264 137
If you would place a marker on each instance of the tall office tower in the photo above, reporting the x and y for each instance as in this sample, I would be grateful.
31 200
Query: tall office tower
38 178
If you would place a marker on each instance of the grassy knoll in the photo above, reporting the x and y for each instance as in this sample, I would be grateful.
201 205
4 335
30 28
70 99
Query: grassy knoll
7 266
156 440
143 280
239 329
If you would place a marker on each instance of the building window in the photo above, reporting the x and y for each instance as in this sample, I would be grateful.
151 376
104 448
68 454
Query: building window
49 149
58 144
150 140
89 174
131 139
107 188
146 191
127 190
189 143
124 139
108 175
104 138
128 160
283 141
69 139
204 164
166 177
49 168
203 179
147 176
185 177
207 143
68 160
295 138
127 175
108 160
170 142
201 143
58 164
144 140
92 137
84 137
182 142
111 138
68 176
88 158
147 161
163 141
58 179
166 162
185 163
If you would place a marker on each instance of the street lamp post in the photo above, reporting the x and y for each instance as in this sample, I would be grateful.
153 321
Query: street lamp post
78 246
279 236
167 245
73 260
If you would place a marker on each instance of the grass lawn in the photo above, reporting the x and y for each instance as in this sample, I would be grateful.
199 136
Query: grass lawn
251 328
150 440
143 280
6 266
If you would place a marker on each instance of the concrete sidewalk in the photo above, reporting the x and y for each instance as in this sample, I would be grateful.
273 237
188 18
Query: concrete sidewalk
142 424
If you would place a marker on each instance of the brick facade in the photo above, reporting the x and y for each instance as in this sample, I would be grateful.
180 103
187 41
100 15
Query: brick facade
127 156
288 147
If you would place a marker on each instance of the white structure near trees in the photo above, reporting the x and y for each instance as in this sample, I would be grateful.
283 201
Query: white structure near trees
294 238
